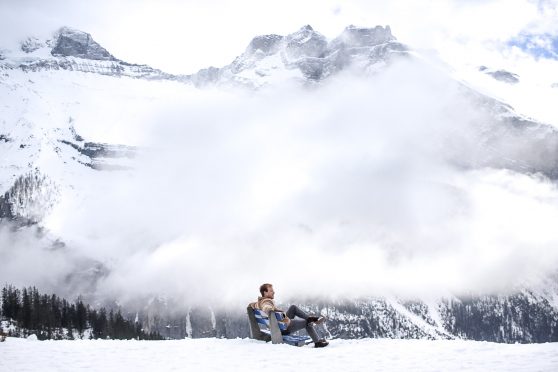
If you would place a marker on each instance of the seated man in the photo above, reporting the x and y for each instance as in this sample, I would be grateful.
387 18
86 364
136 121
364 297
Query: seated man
266 304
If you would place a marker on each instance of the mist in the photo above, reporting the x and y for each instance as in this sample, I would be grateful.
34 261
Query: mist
357 187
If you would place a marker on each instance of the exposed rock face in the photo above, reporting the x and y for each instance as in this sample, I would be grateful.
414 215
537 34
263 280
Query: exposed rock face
305 43
31 45
79 44
305 55
356 37
206 76
265 44
75 50
505 76
501 75
110 68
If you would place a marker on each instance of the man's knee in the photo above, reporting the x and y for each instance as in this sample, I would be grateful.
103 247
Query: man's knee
291 312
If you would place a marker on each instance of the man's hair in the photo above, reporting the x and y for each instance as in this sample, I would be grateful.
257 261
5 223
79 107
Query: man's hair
264 288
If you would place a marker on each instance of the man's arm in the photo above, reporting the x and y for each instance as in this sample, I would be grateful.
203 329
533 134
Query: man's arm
267 306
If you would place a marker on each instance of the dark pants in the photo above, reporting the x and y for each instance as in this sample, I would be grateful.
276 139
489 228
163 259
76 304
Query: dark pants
298 324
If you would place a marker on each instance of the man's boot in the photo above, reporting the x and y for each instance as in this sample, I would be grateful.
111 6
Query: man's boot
321 343
315 319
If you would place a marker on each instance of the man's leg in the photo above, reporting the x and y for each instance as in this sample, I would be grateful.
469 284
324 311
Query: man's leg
296 311
298 324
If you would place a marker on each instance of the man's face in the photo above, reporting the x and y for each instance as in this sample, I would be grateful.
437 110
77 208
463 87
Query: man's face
270 293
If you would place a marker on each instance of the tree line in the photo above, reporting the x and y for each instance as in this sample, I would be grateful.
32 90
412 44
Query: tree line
52 317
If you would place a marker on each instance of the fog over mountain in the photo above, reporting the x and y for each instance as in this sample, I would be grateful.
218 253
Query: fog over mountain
336 169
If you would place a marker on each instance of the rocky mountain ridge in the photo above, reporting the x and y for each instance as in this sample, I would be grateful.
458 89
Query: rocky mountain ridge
305 55
75 50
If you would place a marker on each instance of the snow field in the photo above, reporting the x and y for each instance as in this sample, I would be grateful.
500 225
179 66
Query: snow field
243 354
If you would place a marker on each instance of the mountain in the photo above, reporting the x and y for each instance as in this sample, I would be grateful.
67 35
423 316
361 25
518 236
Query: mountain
306 56
524 317
62 95
74 50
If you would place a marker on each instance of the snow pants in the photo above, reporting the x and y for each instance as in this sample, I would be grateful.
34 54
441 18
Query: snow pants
298 324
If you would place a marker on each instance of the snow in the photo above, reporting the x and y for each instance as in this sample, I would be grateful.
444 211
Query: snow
417 320
38 108
244 354
533 96
270 70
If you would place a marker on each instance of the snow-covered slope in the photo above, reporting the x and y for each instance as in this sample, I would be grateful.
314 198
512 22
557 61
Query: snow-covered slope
58 124
243 354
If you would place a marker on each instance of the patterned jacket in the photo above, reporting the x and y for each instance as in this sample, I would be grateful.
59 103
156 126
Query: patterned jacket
266 305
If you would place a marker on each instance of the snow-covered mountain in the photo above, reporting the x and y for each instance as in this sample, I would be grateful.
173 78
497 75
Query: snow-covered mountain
305 55
524 317
66 103
74 50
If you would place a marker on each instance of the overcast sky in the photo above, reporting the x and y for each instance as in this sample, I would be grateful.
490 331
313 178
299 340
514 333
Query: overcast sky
184 36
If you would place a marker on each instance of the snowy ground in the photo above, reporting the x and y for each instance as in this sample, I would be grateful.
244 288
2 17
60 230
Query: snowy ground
242 354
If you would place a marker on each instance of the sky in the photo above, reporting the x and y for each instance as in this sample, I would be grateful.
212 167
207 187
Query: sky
185 36
363 195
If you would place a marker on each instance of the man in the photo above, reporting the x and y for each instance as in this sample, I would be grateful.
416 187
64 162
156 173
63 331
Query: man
265 303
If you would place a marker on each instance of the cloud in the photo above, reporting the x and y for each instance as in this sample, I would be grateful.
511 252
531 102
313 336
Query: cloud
540 46
30 256
362 187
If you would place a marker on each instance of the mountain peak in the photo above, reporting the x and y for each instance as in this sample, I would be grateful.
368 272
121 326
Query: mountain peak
266 44
76 43
304 54
305 43
354 36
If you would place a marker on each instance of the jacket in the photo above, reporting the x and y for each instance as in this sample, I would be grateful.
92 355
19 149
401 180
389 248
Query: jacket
267 305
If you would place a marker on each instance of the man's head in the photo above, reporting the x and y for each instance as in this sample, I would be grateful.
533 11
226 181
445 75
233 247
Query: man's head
267 291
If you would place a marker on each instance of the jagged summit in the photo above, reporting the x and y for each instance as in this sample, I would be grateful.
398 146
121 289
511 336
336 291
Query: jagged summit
354 36
305 43
31 44
75 50
305 55
265 44
75 43
66 42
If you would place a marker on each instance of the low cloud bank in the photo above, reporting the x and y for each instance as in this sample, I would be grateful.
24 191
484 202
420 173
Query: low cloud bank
361 187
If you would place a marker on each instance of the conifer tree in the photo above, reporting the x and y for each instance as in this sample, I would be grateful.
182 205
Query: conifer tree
47 317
